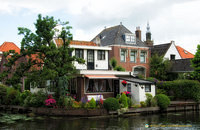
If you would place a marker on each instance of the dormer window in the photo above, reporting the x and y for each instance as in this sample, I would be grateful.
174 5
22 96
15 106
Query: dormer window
129 38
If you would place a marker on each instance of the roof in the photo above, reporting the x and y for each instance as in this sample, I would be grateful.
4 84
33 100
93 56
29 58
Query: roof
6 46
160 49
59 42
136 80
181 65
183 53
115 36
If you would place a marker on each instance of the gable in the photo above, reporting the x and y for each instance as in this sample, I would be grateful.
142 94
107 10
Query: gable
172 51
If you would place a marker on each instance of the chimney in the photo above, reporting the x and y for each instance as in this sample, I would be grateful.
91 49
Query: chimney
138 33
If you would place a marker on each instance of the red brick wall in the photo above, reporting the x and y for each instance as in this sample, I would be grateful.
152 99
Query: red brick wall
128 65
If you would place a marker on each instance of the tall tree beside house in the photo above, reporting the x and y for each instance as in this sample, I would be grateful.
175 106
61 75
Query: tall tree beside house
44 60
196 64
159 67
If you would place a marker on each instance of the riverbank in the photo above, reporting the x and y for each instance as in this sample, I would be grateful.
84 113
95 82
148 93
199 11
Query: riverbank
175 106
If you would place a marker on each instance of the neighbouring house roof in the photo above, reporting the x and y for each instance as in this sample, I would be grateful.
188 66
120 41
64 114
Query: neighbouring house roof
183 53
115 36
160 49
181 65
136 80
59 42
6 46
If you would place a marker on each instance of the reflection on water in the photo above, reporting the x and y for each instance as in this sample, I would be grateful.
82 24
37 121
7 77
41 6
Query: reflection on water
187 120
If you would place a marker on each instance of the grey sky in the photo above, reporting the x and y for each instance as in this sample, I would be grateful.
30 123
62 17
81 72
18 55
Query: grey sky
176 20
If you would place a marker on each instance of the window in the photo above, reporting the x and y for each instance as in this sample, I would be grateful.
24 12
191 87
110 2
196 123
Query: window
142 57
129 87
172 57
101 55
123 55
79 53
133 56
99 85
129 38
147 88
139 71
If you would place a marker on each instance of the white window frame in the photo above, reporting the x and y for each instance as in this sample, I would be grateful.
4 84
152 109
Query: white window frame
149 88
145 56
124 55
135 58
129 38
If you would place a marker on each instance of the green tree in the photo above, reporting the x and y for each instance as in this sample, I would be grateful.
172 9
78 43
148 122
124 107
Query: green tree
159 67
44 60
196 64
113 64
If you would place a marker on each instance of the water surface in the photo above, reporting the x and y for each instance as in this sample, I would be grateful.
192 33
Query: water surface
181 120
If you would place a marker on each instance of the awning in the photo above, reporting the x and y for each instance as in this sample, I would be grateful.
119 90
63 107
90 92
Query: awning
101 76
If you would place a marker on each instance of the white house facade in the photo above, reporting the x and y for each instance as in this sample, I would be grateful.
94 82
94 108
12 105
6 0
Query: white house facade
137 88
96 57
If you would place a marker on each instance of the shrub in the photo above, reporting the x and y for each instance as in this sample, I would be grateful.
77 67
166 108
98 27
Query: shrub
3 93
119 68
76 104
12 97
123 100
118 96
111 104
161 91
37 99
143 104
113 62
92 103
148 100
136 106
182 89
130 103
163 101
68 101
154 102
27 101
84 100
23 96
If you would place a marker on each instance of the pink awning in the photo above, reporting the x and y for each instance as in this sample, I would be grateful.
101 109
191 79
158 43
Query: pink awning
101 76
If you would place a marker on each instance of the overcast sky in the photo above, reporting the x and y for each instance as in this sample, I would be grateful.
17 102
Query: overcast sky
177 20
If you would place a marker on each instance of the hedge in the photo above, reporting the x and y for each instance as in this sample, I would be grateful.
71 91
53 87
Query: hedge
181 89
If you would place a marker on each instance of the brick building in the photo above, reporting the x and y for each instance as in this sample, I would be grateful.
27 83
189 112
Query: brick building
127 48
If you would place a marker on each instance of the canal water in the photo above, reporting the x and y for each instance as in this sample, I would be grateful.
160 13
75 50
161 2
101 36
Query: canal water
171 121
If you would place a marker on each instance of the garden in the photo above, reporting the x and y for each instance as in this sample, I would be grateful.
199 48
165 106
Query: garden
11 96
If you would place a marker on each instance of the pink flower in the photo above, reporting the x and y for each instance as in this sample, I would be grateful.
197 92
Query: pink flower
50 102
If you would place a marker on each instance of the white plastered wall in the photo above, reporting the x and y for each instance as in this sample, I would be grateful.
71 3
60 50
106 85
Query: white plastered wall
172 51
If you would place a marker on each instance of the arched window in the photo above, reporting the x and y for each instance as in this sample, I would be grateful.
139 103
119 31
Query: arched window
139 70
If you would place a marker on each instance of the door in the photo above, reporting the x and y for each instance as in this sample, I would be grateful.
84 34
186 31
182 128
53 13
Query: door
90 59
116 87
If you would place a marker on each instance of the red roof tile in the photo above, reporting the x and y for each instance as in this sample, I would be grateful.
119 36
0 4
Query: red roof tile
6 46
59 42
183 53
